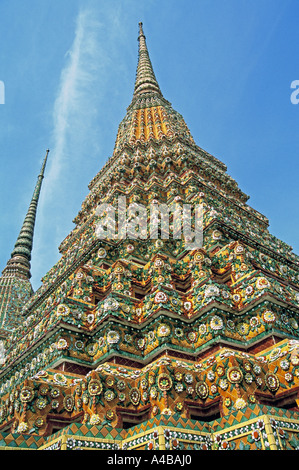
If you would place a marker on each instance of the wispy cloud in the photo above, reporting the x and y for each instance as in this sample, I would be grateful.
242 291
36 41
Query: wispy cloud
74 111
73 138
80 120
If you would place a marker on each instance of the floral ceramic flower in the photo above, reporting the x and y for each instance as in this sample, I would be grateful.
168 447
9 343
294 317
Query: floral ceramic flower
240 403
255 435
179 406
120 385
60 378
160 297
109 395
179 387
178 376
41 403
95 387
249 290
130 248
187 306
252 398
79 345
54 404
153 392
95 419
211 376
202 329
121 396
236 298
234 375
212 291
272 382
179 332
55 392
164 382
225 294
259 381
223 384
243 328
134 395
227 402
257 369
260 424
269 317
23 427
39 422
92 349
110 381
295 359
189 378
63 310
217 235
163 330
68 403
102 253
141 342
62 344
216 323
43 390
284 364
144 383
192 336
254 322
26 394
248 378
289 377
262 283
113 337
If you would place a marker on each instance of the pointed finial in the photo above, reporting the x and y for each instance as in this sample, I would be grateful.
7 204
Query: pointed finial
42 171
140 30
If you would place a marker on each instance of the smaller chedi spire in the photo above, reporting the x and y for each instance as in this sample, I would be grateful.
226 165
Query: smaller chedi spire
19 262
146 81
15 285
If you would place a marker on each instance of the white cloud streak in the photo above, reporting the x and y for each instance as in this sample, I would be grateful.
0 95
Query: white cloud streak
73 109
77 137
73 137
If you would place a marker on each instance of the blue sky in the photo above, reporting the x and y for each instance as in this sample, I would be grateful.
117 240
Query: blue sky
69 66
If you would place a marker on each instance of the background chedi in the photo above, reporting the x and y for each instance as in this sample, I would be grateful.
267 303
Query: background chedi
141 343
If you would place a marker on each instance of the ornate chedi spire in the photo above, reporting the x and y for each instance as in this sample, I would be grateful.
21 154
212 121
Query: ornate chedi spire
21 254
150 117
189 348
15 286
